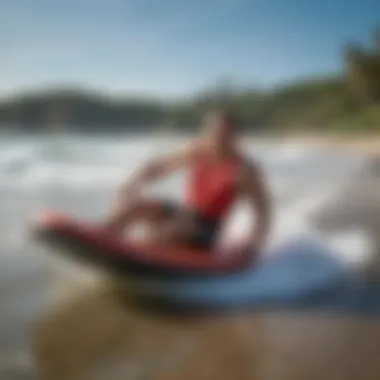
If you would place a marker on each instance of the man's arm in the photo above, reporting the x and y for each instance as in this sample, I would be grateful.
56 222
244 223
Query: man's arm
254 189
157 168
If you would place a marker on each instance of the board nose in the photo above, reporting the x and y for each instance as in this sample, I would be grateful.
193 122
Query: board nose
49 219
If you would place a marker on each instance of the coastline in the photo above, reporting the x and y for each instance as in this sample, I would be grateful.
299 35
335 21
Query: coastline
361 143
364 144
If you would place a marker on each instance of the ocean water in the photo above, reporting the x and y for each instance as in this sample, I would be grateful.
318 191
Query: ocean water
62 172
79 175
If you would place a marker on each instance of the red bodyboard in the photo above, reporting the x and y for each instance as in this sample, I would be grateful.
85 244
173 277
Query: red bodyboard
130 256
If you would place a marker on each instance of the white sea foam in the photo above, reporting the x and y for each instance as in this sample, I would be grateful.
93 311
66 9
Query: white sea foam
63 170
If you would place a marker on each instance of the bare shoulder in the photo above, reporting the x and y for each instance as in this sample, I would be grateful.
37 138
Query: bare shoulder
191 151
194 147
180 157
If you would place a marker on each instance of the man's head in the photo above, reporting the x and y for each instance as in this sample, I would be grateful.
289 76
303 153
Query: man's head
220 127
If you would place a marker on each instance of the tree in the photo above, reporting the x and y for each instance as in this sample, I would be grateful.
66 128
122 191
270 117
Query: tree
352 53
376 39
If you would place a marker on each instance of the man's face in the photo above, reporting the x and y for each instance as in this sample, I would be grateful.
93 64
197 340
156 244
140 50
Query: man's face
219 132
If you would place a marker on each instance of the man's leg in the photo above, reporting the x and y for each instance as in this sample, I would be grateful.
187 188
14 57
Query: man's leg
165 221
147 210
190 229
172 230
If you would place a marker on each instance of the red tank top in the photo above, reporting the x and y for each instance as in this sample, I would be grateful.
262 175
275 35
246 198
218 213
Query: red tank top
212 186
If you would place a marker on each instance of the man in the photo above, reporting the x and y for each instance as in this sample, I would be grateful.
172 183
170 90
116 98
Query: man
219 175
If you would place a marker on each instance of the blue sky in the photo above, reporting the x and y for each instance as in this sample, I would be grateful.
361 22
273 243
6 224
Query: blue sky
174 47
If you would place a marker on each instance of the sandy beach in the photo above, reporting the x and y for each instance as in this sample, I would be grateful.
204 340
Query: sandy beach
92 335
363 145
246 346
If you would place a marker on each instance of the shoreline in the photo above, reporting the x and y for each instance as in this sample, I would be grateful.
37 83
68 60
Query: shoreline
367 144
359 144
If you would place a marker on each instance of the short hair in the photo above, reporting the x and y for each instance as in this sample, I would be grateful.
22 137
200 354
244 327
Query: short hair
226 114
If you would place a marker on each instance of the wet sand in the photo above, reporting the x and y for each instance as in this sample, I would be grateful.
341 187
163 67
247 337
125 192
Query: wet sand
92 338
91 334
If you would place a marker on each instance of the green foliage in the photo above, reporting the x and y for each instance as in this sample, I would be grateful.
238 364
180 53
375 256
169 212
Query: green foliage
79 110
346 102
366 120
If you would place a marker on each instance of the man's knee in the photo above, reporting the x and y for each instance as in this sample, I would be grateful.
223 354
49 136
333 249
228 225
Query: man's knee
146 208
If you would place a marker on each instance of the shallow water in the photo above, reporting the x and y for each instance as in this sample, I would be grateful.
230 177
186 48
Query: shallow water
78 175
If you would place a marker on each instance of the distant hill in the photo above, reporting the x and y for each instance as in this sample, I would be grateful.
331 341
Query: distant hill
348 102
309 103
78 110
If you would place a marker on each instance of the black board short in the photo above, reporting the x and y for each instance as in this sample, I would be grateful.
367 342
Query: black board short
205 231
